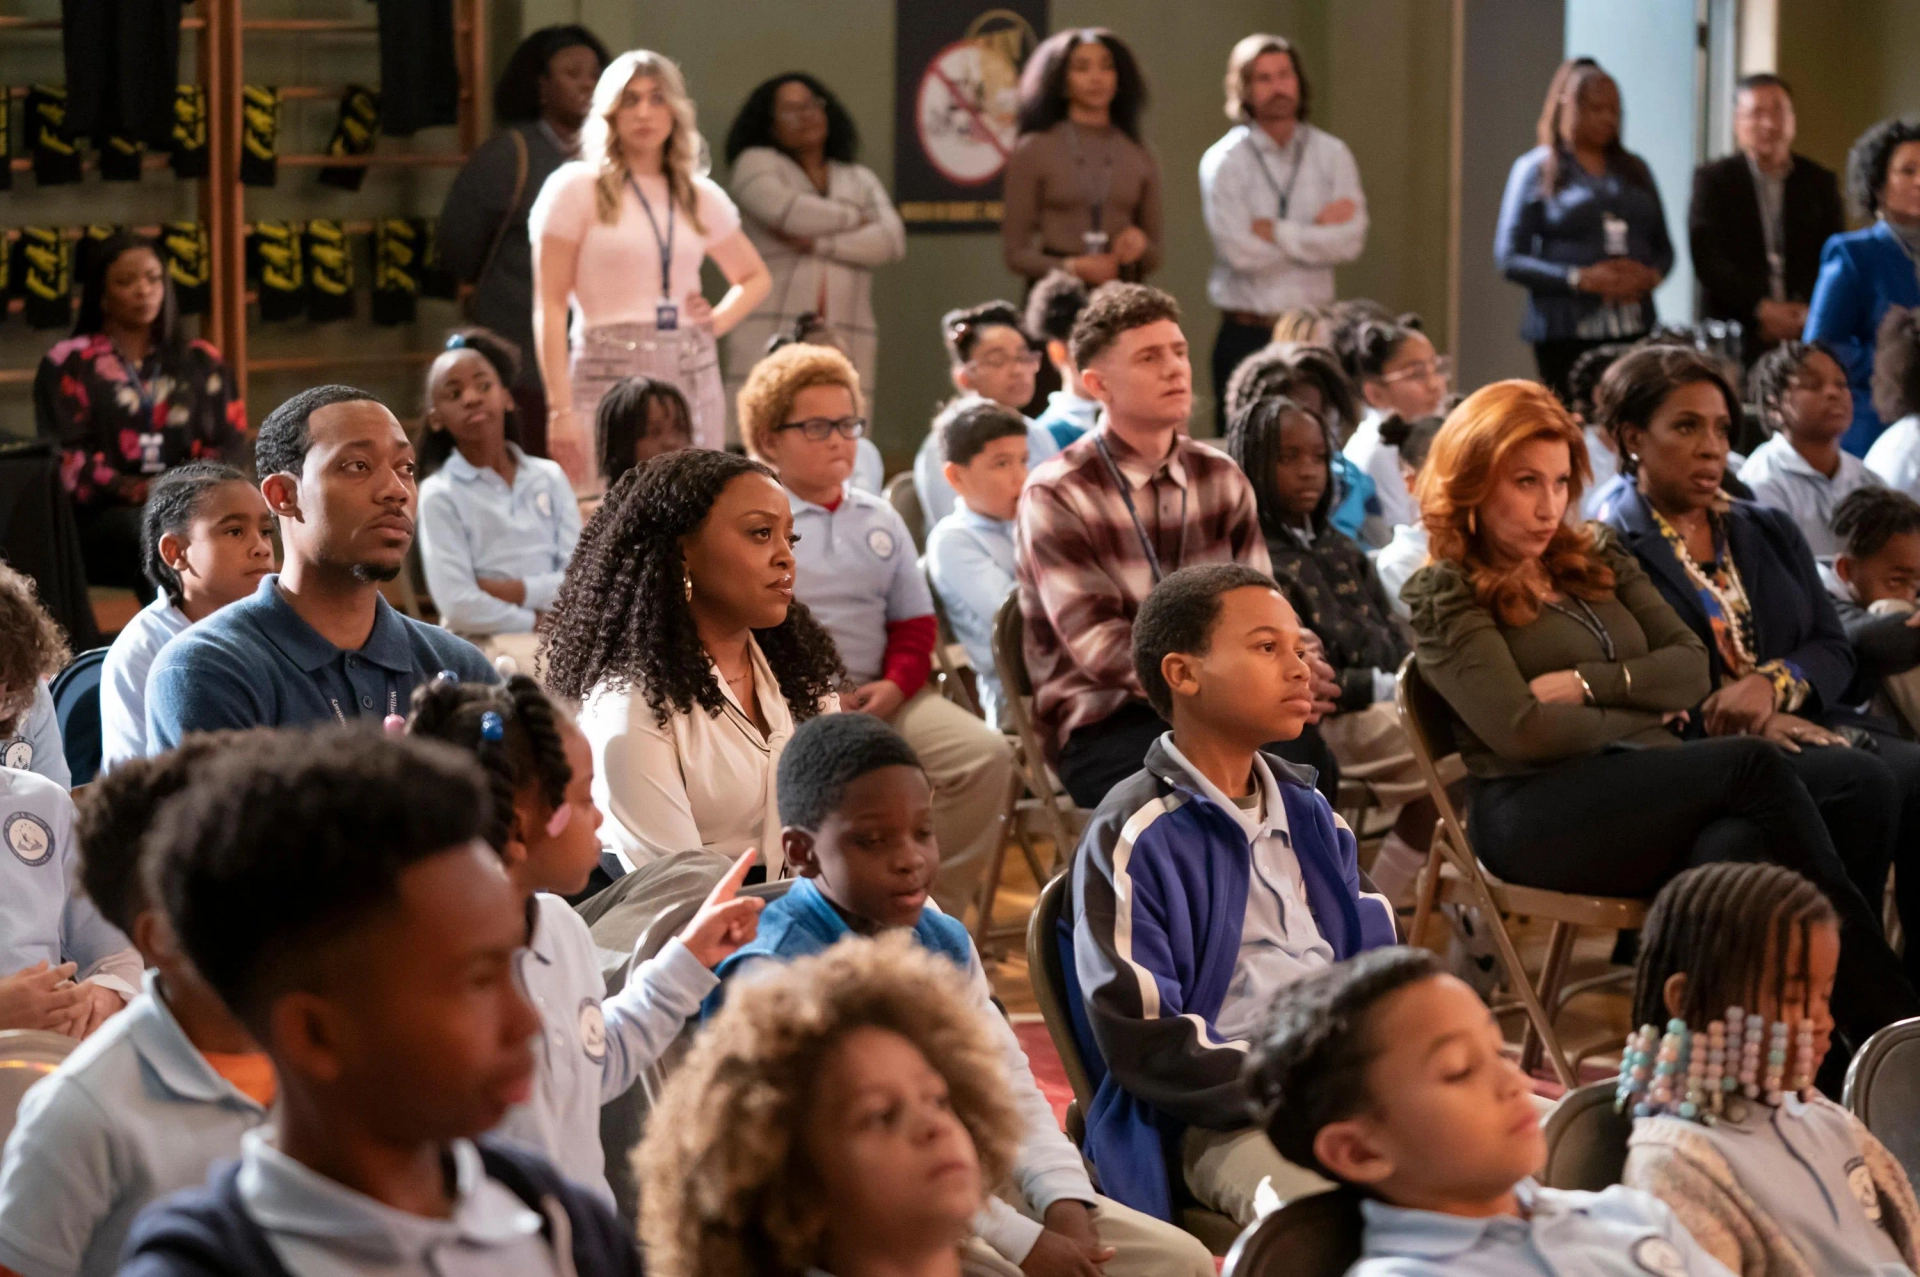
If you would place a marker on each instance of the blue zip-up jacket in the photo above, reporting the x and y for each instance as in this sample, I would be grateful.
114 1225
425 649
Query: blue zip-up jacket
1159 897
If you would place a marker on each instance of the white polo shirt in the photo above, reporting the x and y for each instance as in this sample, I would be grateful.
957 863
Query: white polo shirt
123 680
44 916
35 745
135 1113
591 1050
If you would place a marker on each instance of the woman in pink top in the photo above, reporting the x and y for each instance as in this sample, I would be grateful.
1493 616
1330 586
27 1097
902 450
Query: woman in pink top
620 235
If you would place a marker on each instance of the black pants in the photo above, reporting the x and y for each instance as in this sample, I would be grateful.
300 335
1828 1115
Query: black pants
1101 755
110 547
1555 360
1232 344
1901 758
1623 822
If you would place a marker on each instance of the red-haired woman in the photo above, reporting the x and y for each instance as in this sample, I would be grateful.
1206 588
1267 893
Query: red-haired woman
1565 669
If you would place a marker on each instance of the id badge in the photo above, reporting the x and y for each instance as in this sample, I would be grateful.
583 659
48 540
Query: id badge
1615 229
666 317
1095 242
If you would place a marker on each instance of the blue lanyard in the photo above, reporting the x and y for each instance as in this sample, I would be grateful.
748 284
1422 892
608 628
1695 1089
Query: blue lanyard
1139 528
147 423
665 245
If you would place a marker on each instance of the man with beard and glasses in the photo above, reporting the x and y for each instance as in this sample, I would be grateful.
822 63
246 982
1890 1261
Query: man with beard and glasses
1283 204
315 643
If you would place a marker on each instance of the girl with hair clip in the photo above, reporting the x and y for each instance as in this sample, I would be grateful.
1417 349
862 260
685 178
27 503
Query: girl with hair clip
496 525
1398 374
125 398
1082 190
1737 966
677 632
1801 391
845 1115
544 825
1566 669
206 541
619 236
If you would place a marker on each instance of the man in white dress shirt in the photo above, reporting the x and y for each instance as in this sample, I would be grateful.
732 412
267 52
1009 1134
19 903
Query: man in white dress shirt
1283 204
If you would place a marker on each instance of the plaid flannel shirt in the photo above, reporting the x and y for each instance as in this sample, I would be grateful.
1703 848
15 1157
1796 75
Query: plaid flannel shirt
1083 573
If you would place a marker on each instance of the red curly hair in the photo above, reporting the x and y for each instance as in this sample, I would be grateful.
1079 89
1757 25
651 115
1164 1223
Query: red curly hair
1465 461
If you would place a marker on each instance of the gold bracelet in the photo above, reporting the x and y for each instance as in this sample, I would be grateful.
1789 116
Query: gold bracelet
1586 688
1626 672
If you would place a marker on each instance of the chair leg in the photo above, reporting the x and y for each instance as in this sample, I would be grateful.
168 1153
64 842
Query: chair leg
1553 974
1428 892
1020 831
990 884
1517 976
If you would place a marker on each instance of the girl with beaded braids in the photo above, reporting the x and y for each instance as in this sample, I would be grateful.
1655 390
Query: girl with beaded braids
677 630
1737 964
543 824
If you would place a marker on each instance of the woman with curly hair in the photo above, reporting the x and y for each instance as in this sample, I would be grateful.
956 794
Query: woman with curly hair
32 650
822 221
846 1114
677 630
1864 272
1565 667
619 236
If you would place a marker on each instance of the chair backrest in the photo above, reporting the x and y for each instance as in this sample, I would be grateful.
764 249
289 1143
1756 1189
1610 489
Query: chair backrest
1314 1236
1009 652
76 706
1049 980
905 499
1428 721
1883 1090
26 1056
1587 1140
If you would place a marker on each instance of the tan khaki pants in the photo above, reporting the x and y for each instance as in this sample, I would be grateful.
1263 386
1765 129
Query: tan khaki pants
1226 1171
971 768
1143 1246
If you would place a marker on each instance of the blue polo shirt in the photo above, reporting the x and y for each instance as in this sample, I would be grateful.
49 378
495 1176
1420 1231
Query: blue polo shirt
255 663
855 569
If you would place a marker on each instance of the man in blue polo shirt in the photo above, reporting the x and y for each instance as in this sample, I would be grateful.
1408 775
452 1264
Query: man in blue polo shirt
315 643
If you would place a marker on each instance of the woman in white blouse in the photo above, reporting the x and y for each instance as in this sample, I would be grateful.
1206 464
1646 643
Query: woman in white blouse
619 235
677 631
821 221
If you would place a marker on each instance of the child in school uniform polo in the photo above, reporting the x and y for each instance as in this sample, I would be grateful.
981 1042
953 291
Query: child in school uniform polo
43 915
135 1113
35 745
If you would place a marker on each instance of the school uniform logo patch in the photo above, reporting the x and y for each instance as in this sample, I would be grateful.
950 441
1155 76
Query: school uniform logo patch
593 1030
1660 1257
19 755
1860 1180
28 837
880 541
543 502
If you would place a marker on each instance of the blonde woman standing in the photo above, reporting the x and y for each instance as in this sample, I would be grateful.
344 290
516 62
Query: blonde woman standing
619 236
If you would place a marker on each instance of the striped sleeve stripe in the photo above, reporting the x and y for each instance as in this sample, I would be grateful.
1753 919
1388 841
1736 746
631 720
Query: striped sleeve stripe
1123 900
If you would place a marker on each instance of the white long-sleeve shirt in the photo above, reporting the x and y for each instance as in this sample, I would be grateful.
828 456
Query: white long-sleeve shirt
1297 268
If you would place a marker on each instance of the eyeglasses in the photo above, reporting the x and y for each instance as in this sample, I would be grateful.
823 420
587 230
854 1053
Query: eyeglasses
1439 368
820 429
998 362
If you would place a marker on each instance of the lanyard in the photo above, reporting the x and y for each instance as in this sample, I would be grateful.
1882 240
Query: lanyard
1096 194
1295 149
140 388
665 245
1590 622
1139 528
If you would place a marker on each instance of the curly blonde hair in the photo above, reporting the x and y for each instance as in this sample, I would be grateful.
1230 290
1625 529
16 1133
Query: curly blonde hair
32 647
1463 464
768 395
725 1190
684 157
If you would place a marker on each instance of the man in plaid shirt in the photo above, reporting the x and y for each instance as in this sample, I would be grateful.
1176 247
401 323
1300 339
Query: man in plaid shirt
1100 523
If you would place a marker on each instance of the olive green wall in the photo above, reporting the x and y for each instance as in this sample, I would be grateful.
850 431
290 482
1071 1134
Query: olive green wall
1849 64
1379 70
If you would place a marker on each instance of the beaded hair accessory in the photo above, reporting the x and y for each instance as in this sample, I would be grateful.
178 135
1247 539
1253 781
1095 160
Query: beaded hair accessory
1703 1077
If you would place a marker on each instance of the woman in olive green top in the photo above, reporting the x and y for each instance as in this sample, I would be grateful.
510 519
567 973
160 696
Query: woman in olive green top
1564 668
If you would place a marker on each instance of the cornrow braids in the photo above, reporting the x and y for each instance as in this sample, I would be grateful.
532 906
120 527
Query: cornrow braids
1774 372
1728 926
172 505
1253 441
529 750
1867 518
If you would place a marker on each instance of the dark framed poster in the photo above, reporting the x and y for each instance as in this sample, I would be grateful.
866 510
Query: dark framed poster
956 98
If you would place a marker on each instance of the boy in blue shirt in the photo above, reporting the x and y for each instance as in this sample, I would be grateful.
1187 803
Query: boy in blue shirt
334 890
163 1091
970 552
1388 1075
1205 883
858 832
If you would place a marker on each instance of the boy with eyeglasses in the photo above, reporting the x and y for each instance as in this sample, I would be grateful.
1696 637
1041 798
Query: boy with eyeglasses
993 358
801 413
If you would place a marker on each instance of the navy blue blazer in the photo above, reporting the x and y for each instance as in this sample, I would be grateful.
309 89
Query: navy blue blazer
1861 274
1793 616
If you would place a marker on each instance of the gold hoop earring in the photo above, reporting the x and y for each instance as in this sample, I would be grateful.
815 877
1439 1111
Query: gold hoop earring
689 577
1473 523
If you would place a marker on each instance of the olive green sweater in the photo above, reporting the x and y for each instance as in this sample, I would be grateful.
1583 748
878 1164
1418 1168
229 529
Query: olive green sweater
1483 668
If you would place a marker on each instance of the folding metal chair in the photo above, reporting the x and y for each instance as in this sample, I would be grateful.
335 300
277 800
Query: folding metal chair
1314 1236
1587 1140
1061 818
1883 1090
26 1056
905 499
1454 872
